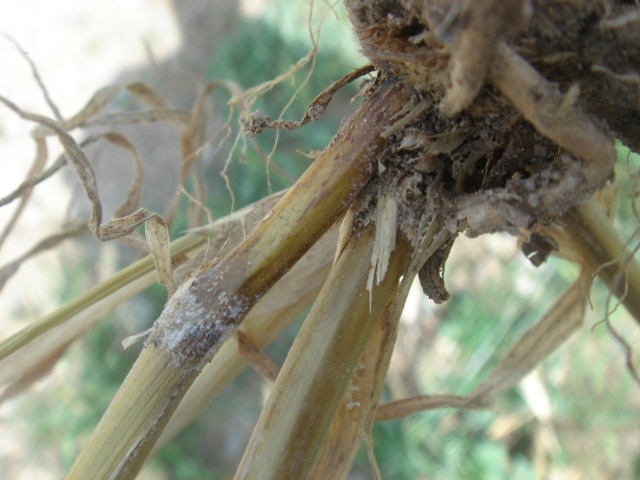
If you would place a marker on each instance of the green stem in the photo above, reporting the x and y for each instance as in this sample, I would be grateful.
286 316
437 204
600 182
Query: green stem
597 240
207 309
323 359
119 280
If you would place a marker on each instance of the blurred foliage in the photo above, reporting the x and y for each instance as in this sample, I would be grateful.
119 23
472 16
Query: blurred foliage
486 319
496 296
444 445
260 50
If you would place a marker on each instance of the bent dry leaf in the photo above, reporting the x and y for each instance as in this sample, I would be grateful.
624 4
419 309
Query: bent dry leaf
157 234
79 163
160 111
123 227
119 227
207 309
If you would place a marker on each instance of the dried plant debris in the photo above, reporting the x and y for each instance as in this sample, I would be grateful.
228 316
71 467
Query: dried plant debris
128 216
517 107
519 104
258 121
130 219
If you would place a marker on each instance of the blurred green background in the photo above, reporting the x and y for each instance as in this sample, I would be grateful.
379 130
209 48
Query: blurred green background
594 426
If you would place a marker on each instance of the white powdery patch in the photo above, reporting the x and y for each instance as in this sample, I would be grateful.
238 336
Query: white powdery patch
350 403
231 306
353 387
181 318
197 320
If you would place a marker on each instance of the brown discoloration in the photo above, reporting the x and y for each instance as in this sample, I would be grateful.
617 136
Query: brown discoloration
475 27
507 141
210 307
431 275
482 118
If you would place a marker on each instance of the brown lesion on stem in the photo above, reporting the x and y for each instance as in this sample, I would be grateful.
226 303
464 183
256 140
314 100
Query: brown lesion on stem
223 291
209 307
456 142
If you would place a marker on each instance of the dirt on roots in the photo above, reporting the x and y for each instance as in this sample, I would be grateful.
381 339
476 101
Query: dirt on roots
516 108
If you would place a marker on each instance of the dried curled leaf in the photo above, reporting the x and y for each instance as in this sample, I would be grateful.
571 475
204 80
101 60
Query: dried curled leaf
258 121
119 227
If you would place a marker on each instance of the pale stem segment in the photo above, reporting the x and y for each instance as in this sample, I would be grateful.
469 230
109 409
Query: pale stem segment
295 291
207 309
355 414
596 239
322 361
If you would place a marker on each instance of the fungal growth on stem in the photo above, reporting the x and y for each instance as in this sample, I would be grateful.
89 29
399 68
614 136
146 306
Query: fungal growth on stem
478 116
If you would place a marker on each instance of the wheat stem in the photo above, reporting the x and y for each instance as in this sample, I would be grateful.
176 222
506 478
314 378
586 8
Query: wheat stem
207 309
322 361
